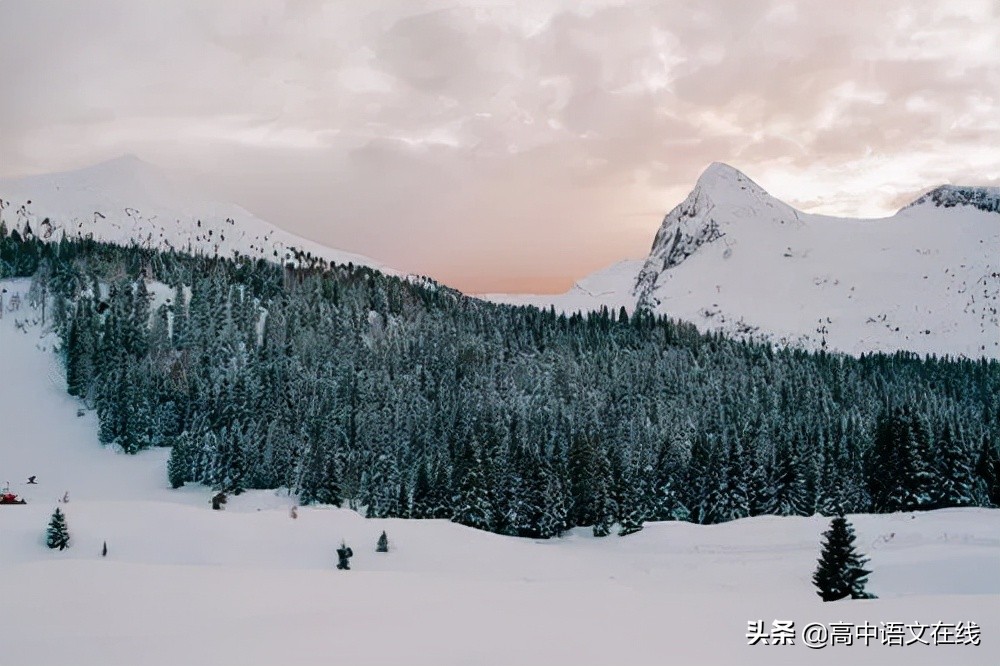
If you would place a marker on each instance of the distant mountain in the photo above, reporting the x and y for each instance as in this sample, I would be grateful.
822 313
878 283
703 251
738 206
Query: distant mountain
610 287
731 257
127 200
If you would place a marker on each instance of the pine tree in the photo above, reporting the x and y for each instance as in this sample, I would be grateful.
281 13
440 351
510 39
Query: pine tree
669 503
882 462
954 483
555 512
988 471
916 479
472 503
791 497
180 462
383 544
841 571
632 515
604 503
421 504
58 533
582 471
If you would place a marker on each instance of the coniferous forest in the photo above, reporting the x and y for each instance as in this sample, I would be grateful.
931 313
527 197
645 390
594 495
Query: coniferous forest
404 398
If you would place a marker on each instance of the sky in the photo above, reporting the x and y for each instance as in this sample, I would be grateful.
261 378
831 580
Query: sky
506 147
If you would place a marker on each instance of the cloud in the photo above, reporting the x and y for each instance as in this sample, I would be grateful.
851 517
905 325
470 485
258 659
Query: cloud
496 147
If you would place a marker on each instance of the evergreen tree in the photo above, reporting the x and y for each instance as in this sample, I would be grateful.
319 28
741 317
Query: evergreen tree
988 470
472 505
632 515
383 544
883 461
582 472
605 507
58 533
421 504
955 483
179 463
841 571
669 503
914 490
791 494
555 506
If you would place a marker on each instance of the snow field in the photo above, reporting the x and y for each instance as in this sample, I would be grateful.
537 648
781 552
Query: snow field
183 584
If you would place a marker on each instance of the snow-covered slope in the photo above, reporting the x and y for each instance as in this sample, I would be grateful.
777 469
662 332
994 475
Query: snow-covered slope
610 287
184 584
128 200
731 257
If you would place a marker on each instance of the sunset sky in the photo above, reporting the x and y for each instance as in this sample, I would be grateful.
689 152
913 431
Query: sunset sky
502 149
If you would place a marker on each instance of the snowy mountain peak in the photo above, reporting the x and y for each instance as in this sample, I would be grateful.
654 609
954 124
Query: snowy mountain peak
732 258
984 198
721 197
721 179
127 200
124 163
127 178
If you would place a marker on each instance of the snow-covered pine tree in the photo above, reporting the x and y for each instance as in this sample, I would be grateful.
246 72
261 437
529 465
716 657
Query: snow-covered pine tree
670 504
606 510
988 471
760 489
57 535
910 480
632 514
841 571
555 512
954 485
179 463
791 494
472 504
582 457
420 505
882 461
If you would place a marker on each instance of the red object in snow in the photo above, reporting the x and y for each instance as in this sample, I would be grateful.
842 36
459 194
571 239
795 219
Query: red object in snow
10 498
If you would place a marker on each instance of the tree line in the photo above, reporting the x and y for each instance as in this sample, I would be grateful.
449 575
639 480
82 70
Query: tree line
405 398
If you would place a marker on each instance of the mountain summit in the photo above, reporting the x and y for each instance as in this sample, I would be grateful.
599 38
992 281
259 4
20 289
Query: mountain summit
127 200
733 258
722 196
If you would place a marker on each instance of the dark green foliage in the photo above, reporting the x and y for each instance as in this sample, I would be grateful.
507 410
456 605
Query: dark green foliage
901 476
179 463
472 505
406 398
632 512
955 481
57 535
988 470
383 544
841 571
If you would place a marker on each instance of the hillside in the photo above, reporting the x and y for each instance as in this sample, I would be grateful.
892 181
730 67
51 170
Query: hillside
733 258
127 200
730 257
250 585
